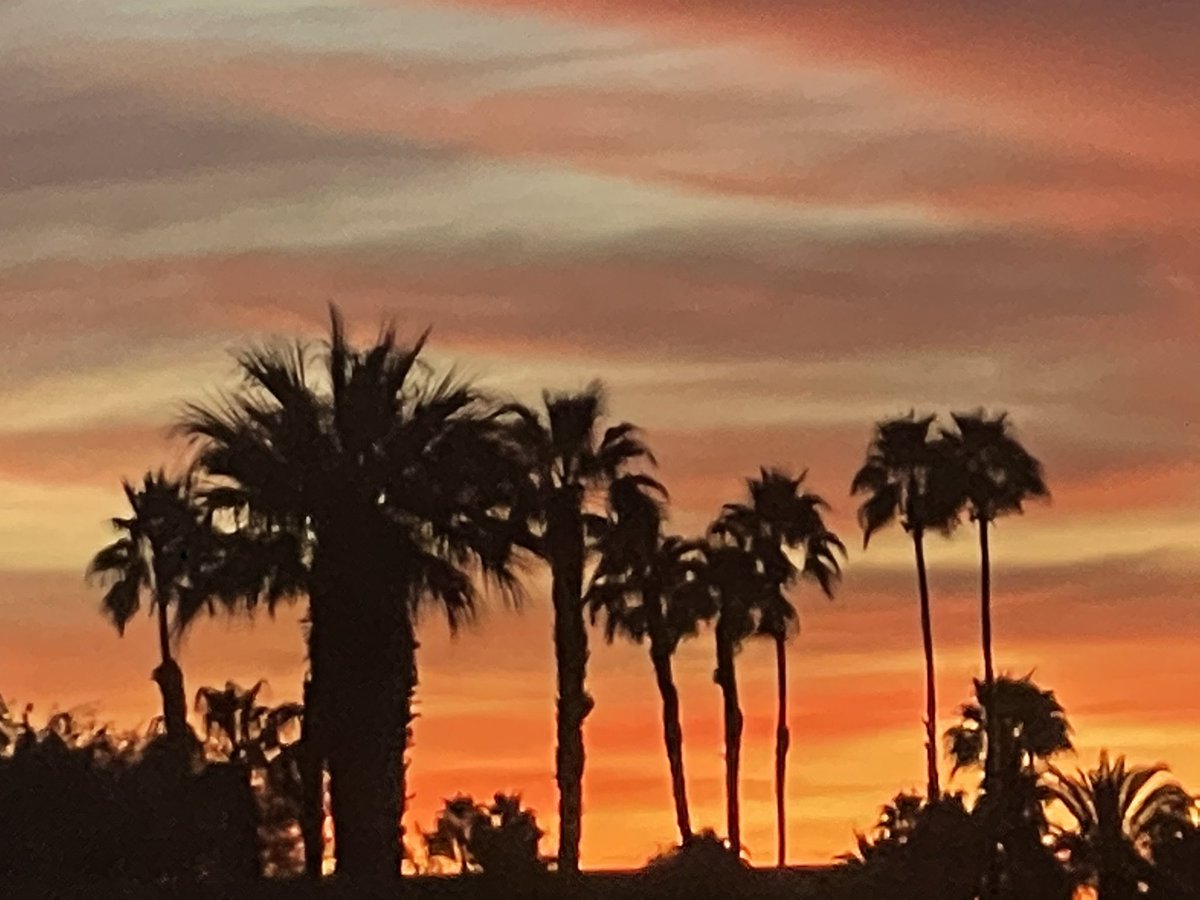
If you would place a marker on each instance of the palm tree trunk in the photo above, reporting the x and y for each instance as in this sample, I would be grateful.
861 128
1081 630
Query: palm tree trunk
672 736
564 538
366 660
985 602
169 678
782 743
931 743
366 761
726 677
992 751
312 784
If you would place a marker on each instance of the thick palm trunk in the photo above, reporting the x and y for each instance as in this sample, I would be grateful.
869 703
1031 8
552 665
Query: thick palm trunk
782 743
367 654
169 678
564 540
672 736
726 678
931 743
366 763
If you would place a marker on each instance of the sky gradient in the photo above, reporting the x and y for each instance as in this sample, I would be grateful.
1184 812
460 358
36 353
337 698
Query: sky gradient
764 224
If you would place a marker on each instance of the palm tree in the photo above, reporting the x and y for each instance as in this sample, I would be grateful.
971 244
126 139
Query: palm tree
731 573
1029 727
646 587
573 463
157 556
231 714
1116 810
998 475
783 516
404 489
907 476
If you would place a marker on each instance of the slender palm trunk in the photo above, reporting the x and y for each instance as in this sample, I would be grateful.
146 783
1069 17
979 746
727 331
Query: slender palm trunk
782 743
991 781
726 677
564 538
312 784
931 744
985 602
672 735
169 678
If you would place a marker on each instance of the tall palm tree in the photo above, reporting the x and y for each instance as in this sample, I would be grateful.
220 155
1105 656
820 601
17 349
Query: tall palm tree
574 462
732 576
1116 809
406 488
646 587
908 476
156 556
781 516
997 476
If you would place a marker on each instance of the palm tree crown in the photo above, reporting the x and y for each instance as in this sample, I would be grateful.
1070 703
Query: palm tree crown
158 550
1029 722
997 473
907 476
1116 809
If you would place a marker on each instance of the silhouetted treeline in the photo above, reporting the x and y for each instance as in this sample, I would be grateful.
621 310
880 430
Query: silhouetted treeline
359 481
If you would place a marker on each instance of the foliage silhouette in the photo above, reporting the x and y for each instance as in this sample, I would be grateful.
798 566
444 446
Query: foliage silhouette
783 516
79 803
909 476
499 839
406 487
572 461
921 849
1029 727
253 737
1117 811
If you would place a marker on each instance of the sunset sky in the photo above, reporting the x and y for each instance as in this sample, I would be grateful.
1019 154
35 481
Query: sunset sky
764 224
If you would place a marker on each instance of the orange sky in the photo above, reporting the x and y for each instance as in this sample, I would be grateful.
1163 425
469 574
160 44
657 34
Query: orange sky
765 224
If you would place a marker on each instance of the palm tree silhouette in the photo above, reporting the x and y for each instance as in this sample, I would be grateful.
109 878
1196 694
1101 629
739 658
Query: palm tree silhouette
572 463
646 587
782 516
404 487
908 476
1029 727
157 555
1116 809
731 573
232 715
1028 723
997 476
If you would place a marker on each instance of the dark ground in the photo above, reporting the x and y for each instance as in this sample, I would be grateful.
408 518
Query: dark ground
795 884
